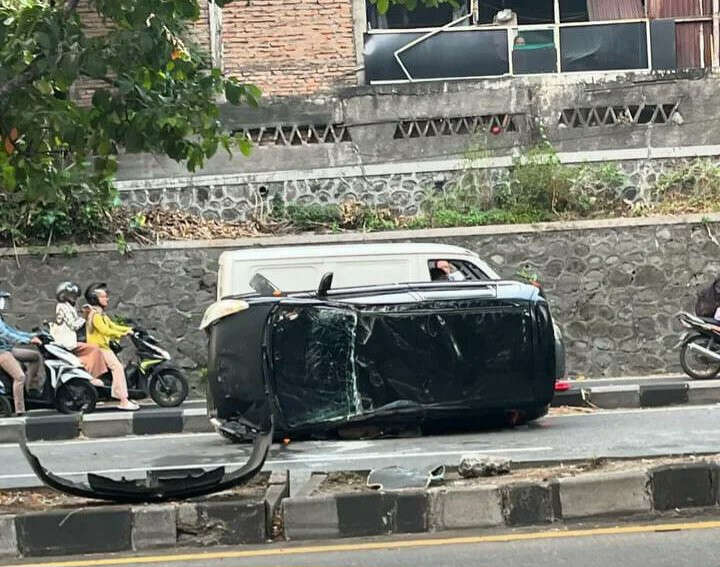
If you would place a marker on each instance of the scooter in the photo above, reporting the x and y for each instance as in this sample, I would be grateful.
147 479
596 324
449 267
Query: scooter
700 347
150 373
67 386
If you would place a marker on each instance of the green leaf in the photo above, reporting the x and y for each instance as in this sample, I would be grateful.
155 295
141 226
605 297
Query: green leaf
233 93
44 86
244 145
382 6
8 177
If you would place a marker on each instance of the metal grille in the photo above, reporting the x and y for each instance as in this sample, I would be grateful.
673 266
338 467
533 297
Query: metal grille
590 117
460 126
297 135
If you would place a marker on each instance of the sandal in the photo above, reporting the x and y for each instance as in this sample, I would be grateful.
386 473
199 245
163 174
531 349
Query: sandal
131 406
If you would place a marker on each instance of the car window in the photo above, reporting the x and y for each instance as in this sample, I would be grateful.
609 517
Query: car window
467 271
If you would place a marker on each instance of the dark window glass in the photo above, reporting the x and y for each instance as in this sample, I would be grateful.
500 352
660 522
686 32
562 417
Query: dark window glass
603 48
573 11
397 17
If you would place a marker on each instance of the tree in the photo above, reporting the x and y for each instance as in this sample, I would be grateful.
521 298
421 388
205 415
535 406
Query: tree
156 92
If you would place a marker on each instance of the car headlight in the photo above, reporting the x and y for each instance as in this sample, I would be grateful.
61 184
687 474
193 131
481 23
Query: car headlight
221 309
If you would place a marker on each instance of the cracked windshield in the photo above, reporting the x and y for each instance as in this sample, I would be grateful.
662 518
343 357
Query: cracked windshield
359 282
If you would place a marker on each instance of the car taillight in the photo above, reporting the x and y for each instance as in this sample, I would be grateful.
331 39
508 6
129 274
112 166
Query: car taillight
562 385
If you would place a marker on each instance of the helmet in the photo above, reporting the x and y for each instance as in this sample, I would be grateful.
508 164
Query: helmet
91 292
67 292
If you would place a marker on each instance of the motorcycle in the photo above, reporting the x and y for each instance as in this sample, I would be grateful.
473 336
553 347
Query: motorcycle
700 347
150 373
66 388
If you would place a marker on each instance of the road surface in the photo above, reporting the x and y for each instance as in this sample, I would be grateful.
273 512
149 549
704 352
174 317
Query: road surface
613 433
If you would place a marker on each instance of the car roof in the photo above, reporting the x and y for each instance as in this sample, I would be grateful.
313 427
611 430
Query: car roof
325 250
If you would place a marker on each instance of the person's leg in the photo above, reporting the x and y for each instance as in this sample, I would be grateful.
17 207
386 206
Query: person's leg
35 367
10 365
119 383
92 358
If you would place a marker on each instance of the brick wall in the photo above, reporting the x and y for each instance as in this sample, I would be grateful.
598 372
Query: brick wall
289 47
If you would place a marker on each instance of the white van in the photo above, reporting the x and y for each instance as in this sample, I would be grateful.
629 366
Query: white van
300 268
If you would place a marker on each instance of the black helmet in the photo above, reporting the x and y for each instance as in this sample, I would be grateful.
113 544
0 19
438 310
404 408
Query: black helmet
67 292
91 292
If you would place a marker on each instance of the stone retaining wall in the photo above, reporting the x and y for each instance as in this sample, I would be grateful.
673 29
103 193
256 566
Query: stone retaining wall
615 286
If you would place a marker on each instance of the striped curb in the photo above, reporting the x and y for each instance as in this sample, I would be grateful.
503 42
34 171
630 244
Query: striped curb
221 520
634 493
640 395
224 520
155 421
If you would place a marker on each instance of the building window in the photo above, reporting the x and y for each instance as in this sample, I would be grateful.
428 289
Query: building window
397 17
520 37
528 12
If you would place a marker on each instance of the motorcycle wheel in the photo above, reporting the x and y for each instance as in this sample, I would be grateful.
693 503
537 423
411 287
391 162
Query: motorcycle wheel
76 396
6 408
168 388
695 364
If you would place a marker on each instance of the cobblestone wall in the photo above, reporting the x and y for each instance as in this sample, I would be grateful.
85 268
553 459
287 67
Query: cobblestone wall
614 290
403 192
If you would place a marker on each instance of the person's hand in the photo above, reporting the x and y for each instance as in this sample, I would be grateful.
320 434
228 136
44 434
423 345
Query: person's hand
36 341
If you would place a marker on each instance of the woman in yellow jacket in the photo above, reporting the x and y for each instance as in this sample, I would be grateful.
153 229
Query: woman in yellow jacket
100 331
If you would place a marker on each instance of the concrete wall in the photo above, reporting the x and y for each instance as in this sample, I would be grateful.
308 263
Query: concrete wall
614 286
389 145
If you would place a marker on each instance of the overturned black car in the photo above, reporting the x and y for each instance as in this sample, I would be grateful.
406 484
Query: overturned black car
401 354
386 355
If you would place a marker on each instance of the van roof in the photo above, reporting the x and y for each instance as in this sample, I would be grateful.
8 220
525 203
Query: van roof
279 252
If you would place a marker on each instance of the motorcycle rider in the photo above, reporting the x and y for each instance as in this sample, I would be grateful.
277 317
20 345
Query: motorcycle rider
708 301
100 331
12 352
67 324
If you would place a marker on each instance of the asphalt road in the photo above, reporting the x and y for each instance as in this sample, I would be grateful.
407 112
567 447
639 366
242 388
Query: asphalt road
614 433
688 542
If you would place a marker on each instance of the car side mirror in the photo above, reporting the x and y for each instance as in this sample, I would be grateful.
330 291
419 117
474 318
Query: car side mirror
325 284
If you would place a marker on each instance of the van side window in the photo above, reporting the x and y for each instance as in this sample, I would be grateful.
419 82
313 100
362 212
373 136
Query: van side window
442 269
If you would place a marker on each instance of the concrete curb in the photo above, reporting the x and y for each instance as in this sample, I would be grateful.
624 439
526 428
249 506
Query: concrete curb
152 421
642 492
225 520
640 395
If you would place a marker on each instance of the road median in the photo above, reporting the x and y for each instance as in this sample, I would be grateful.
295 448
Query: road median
341 505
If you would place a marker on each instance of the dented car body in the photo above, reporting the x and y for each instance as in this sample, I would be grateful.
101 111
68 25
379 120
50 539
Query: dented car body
381 355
